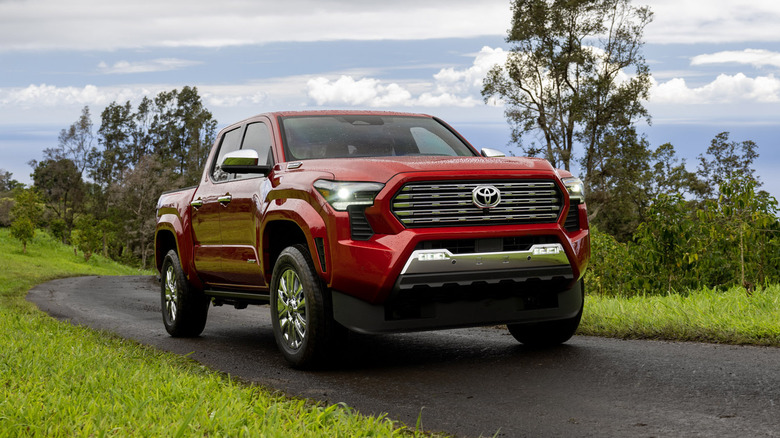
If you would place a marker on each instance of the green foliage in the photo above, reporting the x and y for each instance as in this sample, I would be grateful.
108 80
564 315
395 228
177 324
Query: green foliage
87 236
62 189
726 160
618 189
7 183
26 214
667 244
6 204
608 273
744 228
23 229
684 245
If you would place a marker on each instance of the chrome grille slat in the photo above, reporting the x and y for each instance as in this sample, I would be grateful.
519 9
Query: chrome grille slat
428 204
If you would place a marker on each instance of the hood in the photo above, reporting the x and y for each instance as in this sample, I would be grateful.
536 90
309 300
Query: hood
382 169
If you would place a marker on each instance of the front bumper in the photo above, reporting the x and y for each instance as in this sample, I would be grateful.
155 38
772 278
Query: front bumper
532 303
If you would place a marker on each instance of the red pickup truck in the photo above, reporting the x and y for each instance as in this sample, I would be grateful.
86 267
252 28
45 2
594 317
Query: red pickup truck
372 222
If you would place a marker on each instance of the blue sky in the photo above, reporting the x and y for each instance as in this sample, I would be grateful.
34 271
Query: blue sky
715 68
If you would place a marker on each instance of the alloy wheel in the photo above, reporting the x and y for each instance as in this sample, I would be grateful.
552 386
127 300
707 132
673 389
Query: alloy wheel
291 309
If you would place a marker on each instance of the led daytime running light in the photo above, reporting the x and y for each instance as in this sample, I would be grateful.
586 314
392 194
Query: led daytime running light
341 195
576 188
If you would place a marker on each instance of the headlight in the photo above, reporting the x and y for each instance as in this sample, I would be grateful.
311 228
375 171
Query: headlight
341 195
576 189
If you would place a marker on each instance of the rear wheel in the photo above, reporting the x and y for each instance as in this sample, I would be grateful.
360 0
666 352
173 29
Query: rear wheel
548 333
301 312
184 308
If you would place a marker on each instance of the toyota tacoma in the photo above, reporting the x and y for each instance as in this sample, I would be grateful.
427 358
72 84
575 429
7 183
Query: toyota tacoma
373 222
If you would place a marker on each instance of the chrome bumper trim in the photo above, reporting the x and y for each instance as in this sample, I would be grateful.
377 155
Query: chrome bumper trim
429 261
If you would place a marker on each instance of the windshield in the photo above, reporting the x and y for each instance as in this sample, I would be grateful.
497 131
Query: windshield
353 136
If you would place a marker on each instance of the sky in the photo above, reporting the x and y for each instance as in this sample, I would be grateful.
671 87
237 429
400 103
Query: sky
715 65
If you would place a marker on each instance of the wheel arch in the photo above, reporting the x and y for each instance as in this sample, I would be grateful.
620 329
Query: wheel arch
278 235
164 241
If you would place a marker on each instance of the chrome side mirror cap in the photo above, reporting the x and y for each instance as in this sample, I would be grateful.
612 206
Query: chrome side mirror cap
492 153
243 161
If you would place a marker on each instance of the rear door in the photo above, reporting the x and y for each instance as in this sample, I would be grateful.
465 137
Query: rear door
207 205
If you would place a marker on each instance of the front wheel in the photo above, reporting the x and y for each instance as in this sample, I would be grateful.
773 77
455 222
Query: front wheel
184 309
547 333
301 314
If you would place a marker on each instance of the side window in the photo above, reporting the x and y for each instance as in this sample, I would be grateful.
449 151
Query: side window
430 143
231 141
258 137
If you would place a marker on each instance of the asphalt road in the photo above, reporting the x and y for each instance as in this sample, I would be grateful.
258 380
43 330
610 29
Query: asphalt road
467 382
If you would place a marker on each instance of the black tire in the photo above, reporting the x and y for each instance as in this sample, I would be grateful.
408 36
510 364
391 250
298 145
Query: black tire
184 308
548 333
301 311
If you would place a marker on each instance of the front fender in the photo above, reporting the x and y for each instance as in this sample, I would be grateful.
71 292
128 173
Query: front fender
311 225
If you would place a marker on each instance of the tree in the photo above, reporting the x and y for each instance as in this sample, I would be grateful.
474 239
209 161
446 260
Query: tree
670 175
7 183
115 136
142 122
136 203
26 214
725 161
60 184
565 77
87 236
619 190
742 222
74 143
182 131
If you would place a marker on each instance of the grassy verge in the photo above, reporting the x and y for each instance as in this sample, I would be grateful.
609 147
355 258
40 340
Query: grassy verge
61 380
729 317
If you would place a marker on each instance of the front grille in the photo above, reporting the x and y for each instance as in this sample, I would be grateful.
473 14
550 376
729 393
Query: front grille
435 204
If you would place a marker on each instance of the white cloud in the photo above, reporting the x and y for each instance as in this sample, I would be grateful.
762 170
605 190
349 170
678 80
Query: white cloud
451 87
730 89
469 81
756 57
51 96
154 65
713 21
101 25
362 92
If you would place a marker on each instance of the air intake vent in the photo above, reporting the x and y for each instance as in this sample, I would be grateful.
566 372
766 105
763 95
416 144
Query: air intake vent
573 218
436 204
359 226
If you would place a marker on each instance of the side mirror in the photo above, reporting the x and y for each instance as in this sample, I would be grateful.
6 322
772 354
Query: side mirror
492 153
243 161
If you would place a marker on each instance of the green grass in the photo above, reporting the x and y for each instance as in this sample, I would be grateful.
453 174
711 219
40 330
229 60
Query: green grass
729 317
60 380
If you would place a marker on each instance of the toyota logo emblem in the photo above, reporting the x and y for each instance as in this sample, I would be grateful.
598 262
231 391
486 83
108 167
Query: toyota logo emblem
486 196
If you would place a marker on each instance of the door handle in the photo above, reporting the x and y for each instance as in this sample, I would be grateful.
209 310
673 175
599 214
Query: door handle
196 204
225 199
